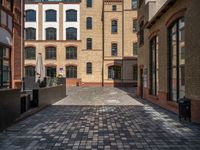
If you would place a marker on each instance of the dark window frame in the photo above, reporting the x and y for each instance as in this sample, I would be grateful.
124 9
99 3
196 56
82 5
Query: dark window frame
71 15
89 3
114 7
89 67
89 23
51 71
50 53
114 26
30 72
114 49
72 34
71 52
179 69
51 33
30 33
71 72
30 18
51 15
30 53
89 44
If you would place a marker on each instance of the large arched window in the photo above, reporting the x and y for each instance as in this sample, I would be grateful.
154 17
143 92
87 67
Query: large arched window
29 71
51 15
89 23
50 53
30 16
71 72
114 26
71 52
114 72
30 53
30 34
71 34
176 60
51 33
71 15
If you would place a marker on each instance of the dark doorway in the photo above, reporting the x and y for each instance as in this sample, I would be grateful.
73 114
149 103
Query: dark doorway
141 83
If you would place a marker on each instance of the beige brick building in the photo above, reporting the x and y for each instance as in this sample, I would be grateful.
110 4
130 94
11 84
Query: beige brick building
169 53
90 42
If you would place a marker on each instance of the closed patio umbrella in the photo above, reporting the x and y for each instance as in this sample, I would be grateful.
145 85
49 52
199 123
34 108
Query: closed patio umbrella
39 70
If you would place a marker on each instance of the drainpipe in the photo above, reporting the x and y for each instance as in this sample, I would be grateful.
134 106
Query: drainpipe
22 44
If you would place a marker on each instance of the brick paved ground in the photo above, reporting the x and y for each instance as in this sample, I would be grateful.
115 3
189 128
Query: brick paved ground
119 121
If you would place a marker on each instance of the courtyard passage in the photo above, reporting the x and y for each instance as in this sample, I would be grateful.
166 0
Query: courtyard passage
101 118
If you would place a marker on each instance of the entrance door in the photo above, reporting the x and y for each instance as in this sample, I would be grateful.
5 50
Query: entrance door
141 83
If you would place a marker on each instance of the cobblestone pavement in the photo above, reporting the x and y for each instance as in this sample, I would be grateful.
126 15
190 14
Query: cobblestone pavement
122 126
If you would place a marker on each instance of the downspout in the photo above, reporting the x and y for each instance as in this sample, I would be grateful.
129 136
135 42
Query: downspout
22 44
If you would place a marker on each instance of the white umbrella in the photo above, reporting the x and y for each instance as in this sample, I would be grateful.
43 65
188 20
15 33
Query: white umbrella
39 70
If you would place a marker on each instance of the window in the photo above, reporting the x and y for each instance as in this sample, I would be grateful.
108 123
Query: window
134 4
114 26
30 34
51 34
89 68
154 66
89 43
135 48
30 53
176 69
89 3
30 16
89 23
114 49
30 71
135 72
141 33
135 25
71 71
71 34
114 72
5 67
51 72
71 52
51 15
71 15
114 8
50 53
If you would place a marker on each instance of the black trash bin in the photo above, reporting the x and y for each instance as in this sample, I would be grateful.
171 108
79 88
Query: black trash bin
184 109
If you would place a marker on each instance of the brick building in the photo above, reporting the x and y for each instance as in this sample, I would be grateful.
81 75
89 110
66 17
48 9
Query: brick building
90 42
169 53
11 43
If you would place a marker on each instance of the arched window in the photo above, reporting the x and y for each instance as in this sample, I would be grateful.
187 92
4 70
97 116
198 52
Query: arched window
71 15
176 60
30 53
51 15
114 72
51 33
30 34
71 34
114 26
51 72
89 43
30 16
89 23
30 71
71 72
50 53
89 68
114 49
71 52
